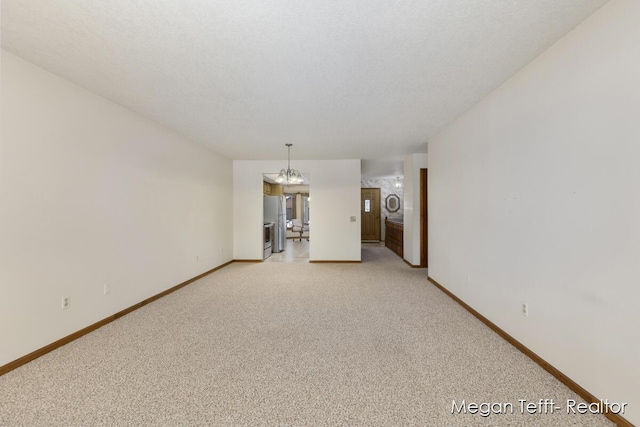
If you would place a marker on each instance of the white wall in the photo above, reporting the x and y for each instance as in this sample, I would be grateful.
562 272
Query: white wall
535 194
411 232
91 193
335 197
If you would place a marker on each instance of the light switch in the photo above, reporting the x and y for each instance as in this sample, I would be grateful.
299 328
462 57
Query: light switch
353 219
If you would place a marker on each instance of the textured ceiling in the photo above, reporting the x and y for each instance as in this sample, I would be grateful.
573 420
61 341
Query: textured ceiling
370 79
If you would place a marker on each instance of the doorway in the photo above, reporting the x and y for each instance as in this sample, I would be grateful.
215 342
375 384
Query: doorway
286 206
370 214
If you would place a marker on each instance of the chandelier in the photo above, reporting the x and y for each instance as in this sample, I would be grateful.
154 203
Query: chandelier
289 176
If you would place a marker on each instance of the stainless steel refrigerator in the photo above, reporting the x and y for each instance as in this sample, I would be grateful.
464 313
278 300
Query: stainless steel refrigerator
275 210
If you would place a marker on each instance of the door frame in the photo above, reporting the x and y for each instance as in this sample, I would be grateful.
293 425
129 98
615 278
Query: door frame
424 220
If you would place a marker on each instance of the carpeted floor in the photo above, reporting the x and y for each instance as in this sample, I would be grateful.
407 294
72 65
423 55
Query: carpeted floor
288 344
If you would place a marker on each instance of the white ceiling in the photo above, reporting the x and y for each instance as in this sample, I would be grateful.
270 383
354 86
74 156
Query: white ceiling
387 167
369 79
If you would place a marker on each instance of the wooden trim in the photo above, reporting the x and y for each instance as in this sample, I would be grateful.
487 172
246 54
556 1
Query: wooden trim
424 220
577 388
410 265
248 260
325 261
66 340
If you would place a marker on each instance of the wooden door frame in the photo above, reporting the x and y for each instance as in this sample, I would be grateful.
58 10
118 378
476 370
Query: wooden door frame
424 220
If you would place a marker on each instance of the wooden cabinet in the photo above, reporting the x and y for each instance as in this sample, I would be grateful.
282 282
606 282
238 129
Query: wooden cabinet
269 189
394 238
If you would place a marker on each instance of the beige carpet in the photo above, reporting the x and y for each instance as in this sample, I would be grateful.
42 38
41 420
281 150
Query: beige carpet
287 344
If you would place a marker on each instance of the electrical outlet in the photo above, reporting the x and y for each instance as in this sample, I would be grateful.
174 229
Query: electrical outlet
107 289
221 250
66 302
468 280
525 309
197 258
